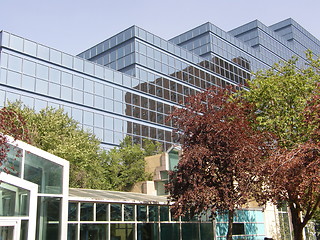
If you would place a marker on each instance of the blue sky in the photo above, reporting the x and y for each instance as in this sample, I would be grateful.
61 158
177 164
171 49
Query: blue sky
75 25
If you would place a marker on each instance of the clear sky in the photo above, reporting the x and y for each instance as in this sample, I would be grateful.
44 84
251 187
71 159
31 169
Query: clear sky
73 26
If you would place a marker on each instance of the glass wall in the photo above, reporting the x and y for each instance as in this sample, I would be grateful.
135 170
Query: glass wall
247 223
105 102
138 221
97 220
47 175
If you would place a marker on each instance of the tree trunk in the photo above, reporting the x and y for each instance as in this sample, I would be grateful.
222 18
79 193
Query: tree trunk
230 224
296 222
297 233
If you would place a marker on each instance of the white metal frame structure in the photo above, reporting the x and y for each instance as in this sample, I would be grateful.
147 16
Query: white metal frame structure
41 191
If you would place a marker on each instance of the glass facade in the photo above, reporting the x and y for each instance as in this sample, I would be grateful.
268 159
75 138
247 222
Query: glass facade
248 224
150 75
138 221
132 221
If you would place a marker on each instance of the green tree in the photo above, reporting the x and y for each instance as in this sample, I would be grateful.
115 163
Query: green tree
286 101
125 165
279 96
54 131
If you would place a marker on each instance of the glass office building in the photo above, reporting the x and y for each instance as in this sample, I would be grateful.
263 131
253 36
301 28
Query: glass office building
129 83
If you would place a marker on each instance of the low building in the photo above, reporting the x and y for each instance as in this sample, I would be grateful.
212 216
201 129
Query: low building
36 203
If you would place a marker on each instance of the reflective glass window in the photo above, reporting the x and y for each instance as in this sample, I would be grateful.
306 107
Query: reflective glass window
108 136
86 211
118 77
148 231
190 230
66 79
108 122
78 64
16 42
118 125
89 67
206 230
43 52
115 212
122 231
88 85
93 231
30 47
170 231
98 89
54 90
141 212
153 213
128 212
28 83
14 79
77 96
88 118
98 120
101 212
72 231
77 82
88 99
48 218
42 86
29 67
55 56
164 213
108 104
67 60
108 91
47 174
42 71
77 114
73 211
98 102
15 63
54 75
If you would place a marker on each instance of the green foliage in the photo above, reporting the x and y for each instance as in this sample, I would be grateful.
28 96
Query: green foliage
90 167
54 131
286 101
125 165
279 96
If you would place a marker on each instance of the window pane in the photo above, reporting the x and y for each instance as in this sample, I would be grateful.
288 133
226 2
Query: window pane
122 231
142 212
115 212
86 212
101 212
46 174
48 218
129 212
73 211
93 232
148 231
153 213
164 213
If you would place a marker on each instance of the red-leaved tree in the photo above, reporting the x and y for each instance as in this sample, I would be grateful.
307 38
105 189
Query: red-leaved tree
14 125
221 155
